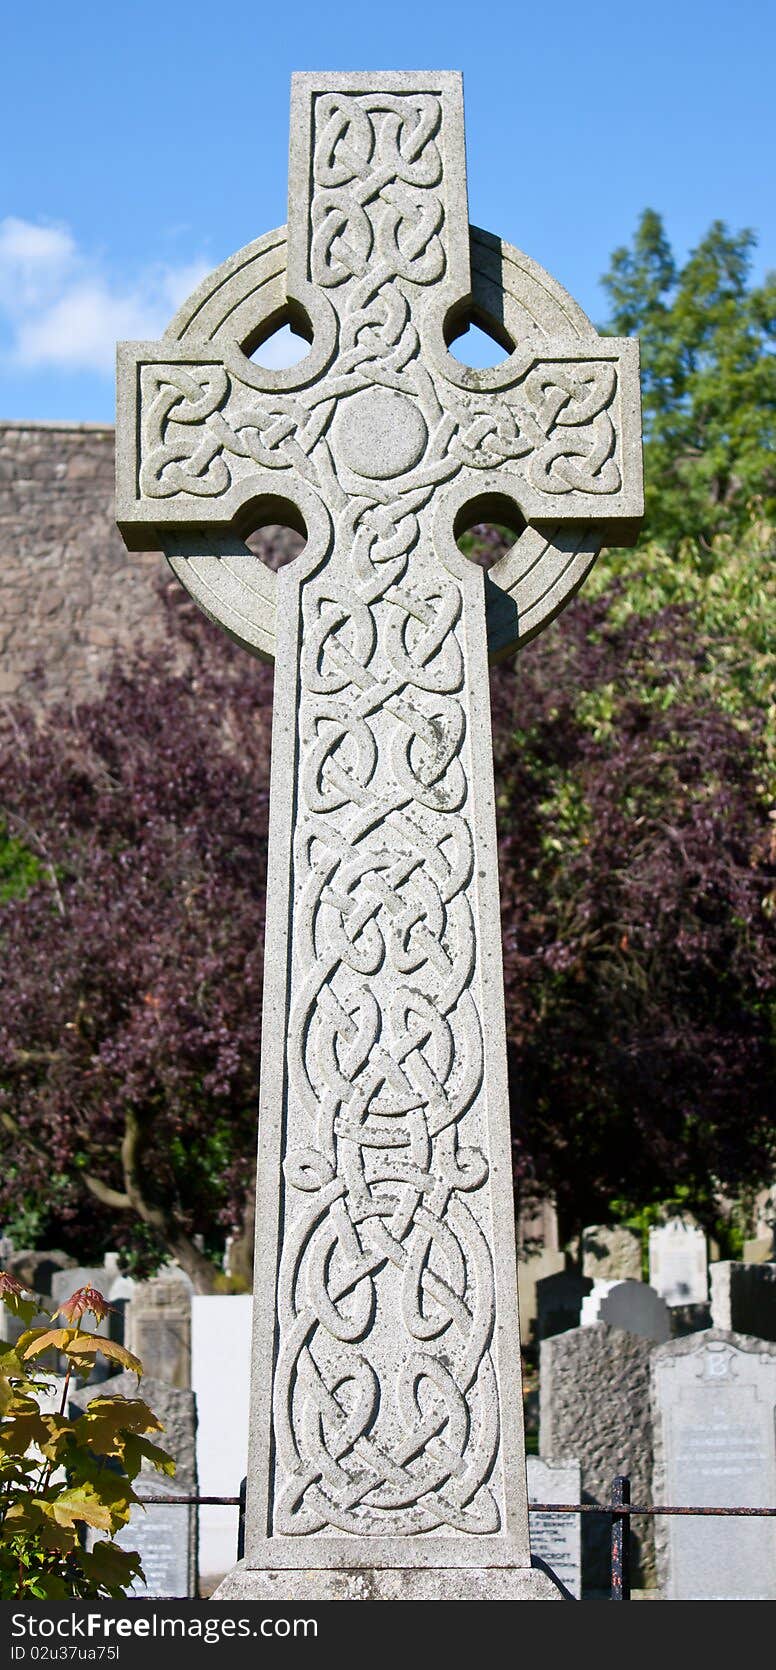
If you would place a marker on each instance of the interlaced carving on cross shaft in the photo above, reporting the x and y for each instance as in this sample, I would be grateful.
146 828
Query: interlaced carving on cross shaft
385 1063
376 206
385 1060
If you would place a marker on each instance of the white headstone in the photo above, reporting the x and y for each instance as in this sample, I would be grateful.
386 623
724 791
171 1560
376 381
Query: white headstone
678 1262
386 1408
556 1538
220 1377
714 1419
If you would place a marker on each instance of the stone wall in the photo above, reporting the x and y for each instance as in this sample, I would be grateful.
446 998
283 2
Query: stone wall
69 590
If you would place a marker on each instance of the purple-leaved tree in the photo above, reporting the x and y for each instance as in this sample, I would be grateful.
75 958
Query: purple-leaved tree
637 866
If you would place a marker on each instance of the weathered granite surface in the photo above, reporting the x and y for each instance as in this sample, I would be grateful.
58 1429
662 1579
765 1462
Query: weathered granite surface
594 1404
245 1582
611 1253
386 1416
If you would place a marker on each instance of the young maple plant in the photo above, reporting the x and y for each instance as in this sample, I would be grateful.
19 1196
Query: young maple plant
59 1477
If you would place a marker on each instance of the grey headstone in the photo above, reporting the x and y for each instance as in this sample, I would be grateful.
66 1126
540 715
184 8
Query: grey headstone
531 1269
35 1267
164 1534
743 1298
594 1403
66 1282
611 1253
158 1329
714 1408
12 1326
556 1538
678 1262
559 1301
632 1305
386 1285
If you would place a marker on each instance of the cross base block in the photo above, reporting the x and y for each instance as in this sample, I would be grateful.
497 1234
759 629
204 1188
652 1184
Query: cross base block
371 1583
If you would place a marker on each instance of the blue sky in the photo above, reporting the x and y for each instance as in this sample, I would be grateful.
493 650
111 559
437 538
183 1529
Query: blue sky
143 143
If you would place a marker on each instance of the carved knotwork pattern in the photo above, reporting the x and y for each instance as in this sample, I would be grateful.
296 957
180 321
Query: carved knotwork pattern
204 430
378 224
385 1401
386 1414
382 1346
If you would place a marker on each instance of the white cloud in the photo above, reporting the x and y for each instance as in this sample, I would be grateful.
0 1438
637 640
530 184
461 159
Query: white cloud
63 310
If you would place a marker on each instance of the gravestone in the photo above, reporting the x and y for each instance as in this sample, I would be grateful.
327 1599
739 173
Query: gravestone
556 1538
594 1404
12 1327
559 1300
386 1429
158 1328
714 1410
611 1253
35 1267
165 1534
678 1263
66 1282
536 1267
761 1247
743 1298
632 1305
220 1377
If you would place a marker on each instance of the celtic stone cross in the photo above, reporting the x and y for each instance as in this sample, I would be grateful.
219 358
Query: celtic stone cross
386 1449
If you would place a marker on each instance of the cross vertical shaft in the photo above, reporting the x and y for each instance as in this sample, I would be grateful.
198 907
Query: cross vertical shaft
386 1413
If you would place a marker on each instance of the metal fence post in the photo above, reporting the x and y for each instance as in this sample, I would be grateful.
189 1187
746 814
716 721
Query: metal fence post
241 1521
620 1539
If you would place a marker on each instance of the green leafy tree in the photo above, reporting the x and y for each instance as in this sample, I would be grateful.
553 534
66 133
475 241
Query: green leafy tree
708 379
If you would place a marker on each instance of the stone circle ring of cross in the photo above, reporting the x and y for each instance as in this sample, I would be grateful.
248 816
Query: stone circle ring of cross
386 1445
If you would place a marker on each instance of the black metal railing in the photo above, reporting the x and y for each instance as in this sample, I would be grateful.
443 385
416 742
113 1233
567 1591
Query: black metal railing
620 1510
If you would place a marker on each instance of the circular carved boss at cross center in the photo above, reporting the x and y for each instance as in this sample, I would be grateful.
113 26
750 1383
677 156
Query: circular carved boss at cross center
227 310
379 434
